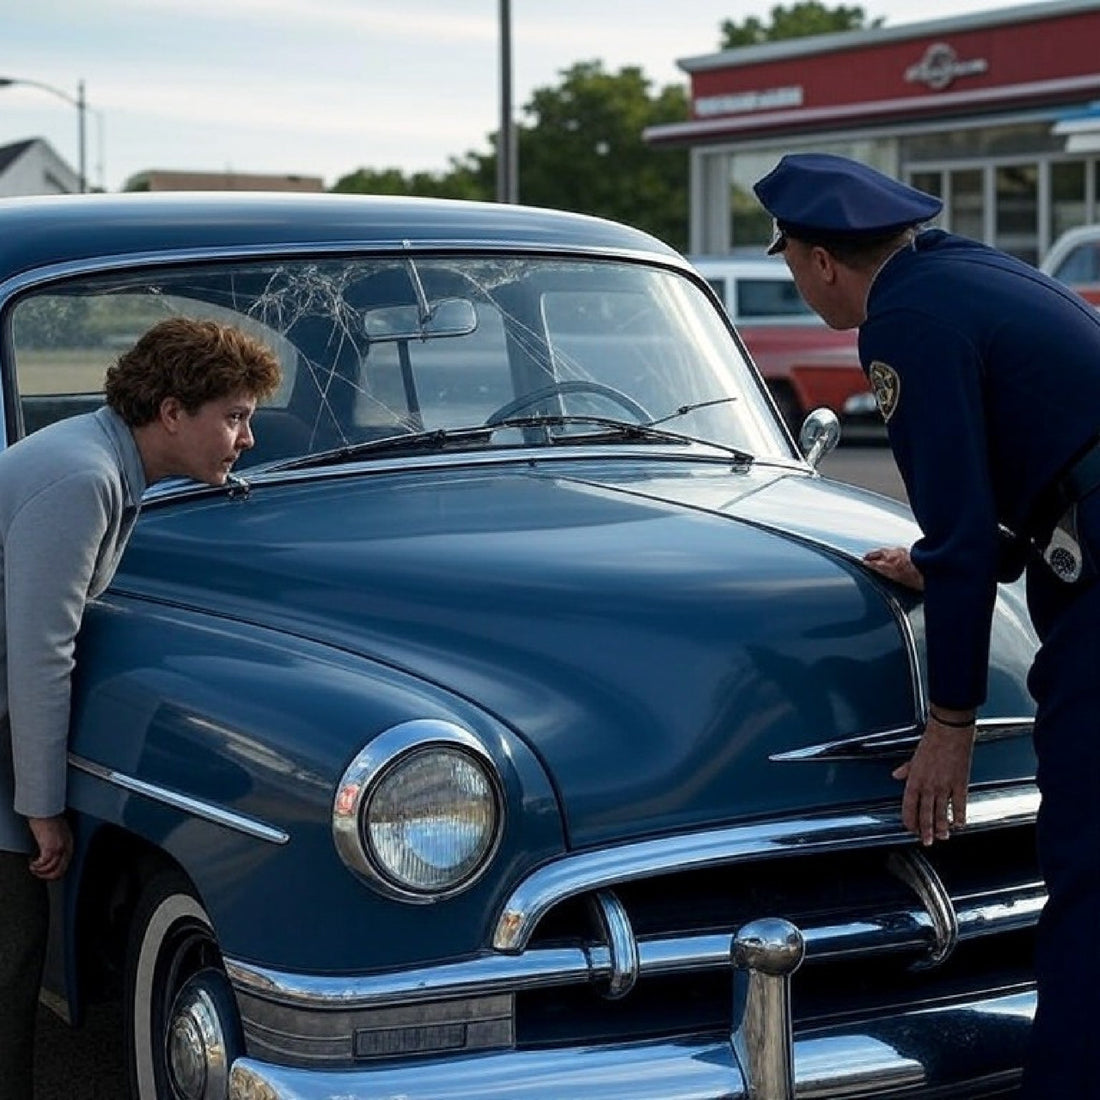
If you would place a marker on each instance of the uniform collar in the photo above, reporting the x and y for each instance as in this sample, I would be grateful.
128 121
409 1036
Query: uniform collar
125 446
891 260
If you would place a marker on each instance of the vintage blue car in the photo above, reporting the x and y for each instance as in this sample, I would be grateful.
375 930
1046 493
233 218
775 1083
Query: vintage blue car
519 722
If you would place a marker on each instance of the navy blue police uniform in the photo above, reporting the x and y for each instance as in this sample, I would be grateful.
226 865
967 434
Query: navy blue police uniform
988 376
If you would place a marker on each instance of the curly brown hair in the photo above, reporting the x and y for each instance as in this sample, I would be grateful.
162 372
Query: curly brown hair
193 361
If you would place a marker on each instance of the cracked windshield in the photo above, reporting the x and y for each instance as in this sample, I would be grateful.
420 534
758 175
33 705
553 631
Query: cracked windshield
392 354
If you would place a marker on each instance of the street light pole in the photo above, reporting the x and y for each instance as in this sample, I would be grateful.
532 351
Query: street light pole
507 186
82 115
81 105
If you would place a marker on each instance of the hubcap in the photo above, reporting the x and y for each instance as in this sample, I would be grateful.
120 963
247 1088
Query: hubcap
197 1061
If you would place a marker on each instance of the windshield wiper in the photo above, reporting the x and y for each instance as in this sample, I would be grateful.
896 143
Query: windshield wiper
440 439
619 429
424 442
683 410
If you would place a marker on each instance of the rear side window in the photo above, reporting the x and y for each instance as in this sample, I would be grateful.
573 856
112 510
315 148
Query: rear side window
64 343
1082 265
763 298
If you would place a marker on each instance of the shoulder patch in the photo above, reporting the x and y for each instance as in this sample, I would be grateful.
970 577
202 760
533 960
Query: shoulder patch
886 386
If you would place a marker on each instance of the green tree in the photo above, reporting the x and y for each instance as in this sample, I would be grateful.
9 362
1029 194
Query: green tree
795 21
581 148
462 181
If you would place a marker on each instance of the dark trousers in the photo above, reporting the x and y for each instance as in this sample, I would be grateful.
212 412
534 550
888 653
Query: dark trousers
24 921
1065 682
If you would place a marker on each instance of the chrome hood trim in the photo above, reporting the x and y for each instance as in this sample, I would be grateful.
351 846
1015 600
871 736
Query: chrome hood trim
899 744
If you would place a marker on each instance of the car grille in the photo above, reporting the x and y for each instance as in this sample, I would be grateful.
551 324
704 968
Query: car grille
874 943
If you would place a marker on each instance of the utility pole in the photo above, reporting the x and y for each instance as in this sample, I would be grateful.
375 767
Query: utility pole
507 175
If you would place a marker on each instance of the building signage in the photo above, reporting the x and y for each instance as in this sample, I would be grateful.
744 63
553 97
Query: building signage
940 66
739 102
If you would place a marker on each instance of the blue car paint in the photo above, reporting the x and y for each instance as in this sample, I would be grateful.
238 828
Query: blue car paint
554 569
226 712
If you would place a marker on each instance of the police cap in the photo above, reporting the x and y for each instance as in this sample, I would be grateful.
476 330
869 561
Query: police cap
819 197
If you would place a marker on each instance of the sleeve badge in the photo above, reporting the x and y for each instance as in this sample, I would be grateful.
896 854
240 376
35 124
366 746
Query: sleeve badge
886 386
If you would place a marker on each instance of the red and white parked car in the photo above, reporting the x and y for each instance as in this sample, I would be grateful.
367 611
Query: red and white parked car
805 363
1074 259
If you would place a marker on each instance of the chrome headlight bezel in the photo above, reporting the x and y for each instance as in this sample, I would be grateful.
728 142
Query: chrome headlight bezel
370 770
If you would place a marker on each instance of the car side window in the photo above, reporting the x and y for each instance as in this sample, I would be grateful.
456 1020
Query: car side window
719 288
1082 265
769 298
64 344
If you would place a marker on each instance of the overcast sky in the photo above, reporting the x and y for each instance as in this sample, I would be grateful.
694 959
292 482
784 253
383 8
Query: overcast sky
322 87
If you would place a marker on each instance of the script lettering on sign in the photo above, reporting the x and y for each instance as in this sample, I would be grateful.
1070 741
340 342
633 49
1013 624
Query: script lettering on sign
940 67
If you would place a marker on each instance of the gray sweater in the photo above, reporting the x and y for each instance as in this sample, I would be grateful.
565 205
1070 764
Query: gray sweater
69 495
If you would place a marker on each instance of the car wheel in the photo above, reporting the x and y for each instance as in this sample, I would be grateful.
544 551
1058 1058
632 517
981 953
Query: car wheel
182 1027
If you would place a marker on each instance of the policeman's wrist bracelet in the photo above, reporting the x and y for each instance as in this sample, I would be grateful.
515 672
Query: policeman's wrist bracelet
950 725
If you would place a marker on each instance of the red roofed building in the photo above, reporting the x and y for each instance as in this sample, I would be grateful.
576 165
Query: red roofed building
998 113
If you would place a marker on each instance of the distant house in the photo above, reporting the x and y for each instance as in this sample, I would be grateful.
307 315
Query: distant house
32 167
157 179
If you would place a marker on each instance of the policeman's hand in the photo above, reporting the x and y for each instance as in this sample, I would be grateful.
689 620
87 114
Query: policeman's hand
894 563
936 779
55 846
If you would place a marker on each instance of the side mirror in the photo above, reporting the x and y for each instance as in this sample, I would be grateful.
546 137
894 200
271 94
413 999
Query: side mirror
819 435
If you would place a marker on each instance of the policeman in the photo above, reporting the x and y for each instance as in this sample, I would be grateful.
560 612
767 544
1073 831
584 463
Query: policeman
987 374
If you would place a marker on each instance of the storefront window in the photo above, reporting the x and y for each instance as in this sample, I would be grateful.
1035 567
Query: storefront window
1067 196
1016 221
750 223
931 183
974 142
750 227
967 208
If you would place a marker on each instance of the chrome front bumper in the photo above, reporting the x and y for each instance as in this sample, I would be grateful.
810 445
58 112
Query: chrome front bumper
897 1055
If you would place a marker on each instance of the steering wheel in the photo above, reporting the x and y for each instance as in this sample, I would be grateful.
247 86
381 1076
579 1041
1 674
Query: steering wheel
576 385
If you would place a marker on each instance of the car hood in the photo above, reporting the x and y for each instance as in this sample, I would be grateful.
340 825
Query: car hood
670 638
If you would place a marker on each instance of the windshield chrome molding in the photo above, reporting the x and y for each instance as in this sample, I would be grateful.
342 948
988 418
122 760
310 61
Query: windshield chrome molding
895 743
208 811
292 251
596 870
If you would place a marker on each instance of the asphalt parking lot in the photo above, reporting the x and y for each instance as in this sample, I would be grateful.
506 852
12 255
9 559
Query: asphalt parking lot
81 1064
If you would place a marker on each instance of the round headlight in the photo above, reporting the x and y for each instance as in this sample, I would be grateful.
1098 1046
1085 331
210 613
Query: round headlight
419 811
431 819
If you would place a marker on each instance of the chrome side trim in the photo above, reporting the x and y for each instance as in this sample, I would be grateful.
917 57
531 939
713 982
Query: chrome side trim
899 743
250 826
596 870
896 932
968 1043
